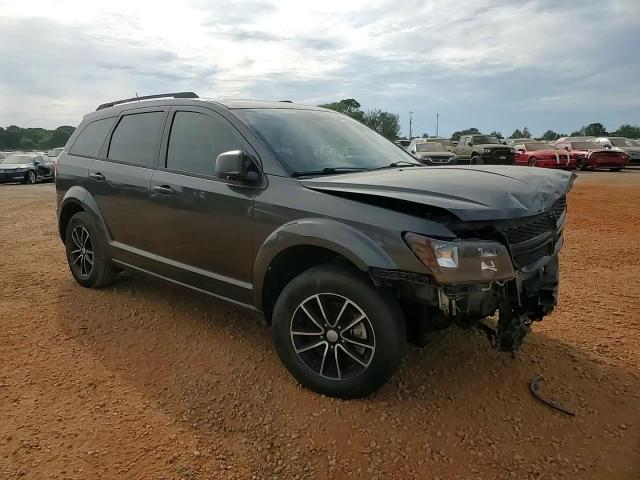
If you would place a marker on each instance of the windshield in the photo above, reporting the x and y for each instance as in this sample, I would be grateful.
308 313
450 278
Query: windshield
18 159
622 142
537 146
484 139
430 147
311 140
584 146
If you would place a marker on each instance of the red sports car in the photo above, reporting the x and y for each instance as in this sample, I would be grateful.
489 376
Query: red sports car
541 154
590 155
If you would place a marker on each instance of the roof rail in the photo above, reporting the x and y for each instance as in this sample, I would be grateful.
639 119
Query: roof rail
148 97
285 101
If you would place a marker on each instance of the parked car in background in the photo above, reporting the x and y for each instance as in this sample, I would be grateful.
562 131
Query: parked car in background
510 142
481 149
256 203
542 154
629 146
402 143
54 152
431 152
588 154
26 168
575 139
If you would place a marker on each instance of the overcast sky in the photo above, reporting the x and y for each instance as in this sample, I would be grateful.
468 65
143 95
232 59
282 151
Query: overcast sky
492 65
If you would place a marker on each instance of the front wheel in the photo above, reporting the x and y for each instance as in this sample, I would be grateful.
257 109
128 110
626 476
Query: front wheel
336 333
30 178
476 160
532 162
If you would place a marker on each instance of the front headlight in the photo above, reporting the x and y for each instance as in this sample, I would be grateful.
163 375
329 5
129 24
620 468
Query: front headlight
462 261
487 150
512 150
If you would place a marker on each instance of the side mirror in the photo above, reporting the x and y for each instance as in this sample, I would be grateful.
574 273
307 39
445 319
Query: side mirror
566 148
235 165
470 144
520 150
36 161
504 143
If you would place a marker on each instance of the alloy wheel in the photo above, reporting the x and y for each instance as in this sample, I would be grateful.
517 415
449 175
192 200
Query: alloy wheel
31 178
82 251
332 336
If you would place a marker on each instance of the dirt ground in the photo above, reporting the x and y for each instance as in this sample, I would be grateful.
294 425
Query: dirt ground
148 380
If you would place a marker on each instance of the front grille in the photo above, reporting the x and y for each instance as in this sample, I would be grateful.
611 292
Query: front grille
559 207
502 152
531 239
527 231
531 256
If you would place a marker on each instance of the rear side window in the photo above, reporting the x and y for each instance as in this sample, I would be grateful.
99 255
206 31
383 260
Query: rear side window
197 139
136 139
90 139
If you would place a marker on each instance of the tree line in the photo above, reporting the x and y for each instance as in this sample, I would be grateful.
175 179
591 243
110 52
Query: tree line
385 123
593 129
18 138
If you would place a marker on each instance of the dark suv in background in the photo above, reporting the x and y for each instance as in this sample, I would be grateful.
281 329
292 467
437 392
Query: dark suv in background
344 242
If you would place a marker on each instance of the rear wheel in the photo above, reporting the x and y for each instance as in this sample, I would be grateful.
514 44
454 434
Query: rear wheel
477 160
336 333
87 253
532 162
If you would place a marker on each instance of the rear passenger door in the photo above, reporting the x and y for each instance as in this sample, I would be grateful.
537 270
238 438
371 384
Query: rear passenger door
119 179
204 234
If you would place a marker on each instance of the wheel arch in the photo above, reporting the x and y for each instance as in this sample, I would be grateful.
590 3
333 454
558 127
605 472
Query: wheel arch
300 245
77 199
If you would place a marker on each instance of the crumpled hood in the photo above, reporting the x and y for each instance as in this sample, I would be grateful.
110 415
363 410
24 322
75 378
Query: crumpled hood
489 192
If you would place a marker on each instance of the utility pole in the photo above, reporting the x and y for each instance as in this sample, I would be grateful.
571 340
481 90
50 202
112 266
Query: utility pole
410 125
437 121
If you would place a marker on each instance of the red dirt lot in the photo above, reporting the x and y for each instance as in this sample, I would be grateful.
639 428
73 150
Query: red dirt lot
148 380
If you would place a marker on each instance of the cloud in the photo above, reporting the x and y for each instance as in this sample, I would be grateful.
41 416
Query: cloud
491 64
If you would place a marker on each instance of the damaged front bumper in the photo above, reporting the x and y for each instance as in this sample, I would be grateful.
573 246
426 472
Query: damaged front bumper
527 296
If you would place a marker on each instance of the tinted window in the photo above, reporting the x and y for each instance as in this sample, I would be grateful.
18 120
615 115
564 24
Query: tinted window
197 139
136 139
90 139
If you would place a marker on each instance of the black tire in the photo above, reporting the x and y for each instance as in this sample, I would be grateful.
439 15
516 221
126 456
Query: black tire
101 271
384 328
476 160
617 169
30 177
581 164
532 162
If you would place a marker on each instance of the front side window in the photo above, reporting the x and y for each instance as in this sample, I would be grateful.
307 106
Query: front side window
90 139
197 139
136 139
311 140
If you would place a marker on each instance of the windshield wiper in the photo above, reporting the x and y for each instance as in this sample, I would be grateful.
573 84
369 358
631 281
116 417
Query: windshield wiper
329 171
401 163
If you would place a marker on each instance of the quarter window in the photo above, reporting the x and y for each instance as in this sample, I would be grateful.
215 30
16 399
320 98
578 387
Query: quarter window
90 139
136 139
197 139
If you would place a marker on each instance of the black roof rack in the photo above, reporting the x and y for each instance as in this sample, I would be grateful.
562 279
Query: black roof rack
148 97
285 101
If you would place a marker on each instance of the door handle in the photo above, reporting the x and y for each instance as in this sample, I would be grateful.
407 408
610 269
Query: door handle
97 176
163 189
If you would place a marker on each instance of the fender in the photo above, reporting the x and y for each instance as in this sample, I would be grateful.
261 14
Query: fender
332 235
81 197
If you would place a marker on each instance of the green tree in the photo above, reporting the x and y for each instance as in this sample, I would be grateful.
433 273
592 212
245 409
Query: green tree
60 136
550 135
526 133
517 134
496 133
348 106
27 144
595 129
385 123
629 131
579 133
469 131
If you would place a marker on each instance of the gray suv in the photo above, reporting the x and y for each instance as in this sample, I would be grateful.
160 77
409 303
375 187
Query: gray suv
345 244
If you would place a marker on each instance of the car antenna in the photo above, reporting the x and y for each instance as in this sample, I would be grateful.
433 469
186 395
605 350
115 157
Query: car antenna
137 98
